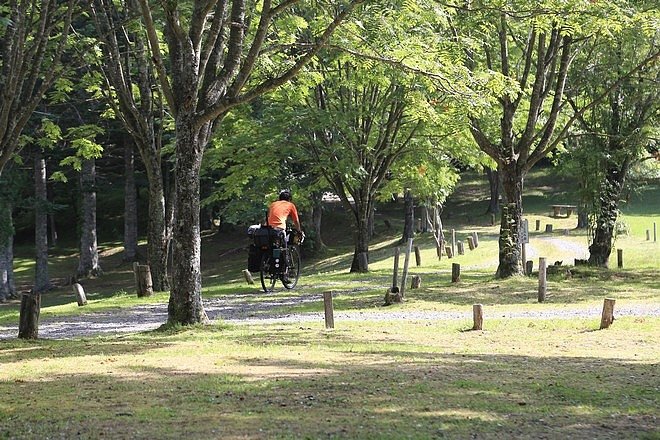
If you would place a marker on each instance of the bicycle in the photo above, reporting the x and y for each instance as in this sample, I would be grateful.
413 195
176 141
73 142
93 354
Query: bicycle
281 260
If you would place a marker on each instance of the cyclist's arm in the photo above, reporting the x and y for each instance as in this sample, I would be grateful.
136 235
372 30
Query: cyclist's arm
294 217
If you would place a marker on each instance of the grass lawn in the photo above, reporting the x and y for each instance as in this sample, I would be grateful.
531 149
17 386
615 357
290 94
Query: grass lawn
557 377
519 378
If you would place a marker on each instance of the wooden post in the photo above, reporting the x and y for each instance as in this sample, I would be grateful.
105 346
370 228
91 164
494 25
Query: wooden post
460 247
418 257
416 282
648 235
529 267
619 258
478 317
438 250
448 251
406 262
492 219
144 284
655 237
608 313
28 325
248 276
543 284
538 225
453 242
523 252
548 228
475 237
455 272
471 243
80 294
329 310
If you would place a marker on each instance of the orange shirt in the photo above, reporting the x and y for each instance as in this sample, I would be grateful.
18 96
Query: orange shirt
279 211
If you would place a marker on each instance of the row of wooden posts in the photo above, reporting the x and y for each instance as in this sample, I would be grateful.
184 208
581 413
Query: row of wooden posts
396 293
607 316
549 227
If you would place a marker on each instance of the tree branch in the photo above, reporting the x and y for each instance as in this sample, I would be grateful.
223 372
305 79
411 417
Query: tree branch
154 44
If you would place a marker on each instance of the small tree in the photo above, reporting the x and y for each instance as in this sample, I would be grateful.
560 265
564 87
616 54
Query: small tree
523 58
128 84
617 125
34 37
221 54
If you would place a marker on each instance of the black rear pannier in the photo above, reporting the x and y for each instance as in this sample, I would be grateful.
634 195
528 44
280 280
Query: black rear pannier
266 236
254 258
263 238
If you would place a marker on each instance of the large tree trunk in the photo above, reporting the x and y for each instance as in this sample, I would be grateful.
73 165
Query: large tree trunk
130 204
88 264
426 218
494 189
52 225
185 305
582 217
159 233
41 279
361 255
371 223
603 235
7 289
317 217
510 248
409 217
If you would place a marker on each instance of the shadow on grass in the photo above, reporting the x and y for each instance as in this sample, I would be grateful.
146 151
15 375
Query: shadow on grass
373 393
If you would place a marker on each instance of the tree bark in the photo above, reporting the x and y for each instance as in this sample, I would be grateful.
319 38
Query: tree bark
41 278
52 225
317 217
583 218
88 264
494 189
409 217
510 247
28 327
130 204
185 305
425 218
7 289
159 229
361 254
608 211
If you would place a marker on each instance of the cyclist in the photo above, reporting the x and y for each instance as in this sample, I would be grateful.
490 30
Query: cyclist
280 210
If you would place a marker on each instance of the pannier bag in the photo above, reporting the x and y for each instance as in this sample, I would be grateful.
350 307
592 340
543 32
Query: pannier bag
265 236
254 258
251 229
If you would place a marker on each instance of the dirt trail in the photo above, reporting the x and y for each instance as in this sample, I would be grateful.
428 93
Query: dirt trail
238 309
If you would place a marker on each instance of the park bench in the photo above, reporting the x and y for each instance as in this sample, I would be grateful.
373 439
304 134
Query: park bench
557 210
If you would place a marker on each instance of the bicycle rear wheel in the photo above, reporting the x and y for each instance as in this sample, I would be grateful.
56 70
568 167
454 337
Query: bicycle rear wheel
290 277
267 277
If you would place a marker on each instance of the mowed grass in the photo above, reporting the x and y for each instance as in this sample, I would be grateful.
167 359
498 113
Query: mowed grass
395 379
556 377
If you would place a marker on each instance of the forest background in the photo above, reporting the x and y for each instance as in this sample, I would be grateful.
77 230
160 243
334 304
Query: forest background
226 103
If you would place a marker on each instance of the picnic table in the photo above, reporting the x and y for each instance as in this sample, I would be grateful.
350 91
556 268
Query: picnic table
557 210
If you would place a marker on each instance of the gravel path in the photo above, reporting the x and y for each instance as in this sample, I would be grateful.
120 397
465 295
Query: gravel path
238 309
